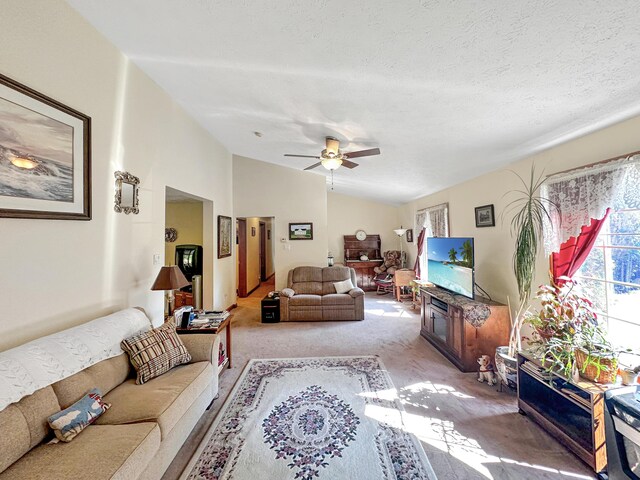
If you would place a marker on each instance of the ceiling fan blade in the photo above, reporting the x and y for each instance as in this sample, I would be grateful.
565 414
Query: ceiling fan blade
300 156
313 166
363 153
349 164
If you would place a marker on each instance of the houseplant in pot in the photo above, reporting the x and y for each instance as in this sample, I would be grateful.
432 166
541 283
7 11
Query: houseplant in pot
595 357
529 212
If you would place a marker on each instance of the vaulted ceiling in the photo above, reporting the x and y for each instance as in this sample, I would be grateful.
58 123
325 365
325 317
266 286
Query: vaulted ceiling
447 90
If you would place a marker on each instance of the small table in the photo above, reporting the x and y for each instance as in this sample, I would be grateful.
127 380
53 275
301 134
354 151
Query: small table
270 309
225 325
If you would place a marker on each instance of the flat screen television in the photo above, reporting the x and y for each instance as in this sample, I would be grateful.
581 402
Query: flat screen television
450 264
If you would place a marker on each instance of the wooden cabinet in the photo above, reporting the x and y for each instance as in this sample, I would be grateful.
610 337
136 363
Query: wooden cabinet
572 412
445 327
354 249
364 273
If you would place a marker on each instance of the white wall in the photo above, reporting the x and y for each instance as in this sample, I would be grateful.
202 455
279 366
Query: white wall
267 190
494 246
346 215
56 274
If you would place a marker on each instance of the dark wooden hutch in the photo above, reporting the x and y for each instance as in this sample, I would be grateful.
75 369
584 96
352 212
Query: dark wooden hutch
354 249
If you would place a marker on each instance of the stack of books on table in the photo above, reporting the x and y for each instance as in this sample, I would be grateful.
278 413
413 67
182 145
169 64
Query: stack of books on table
208 320
536 371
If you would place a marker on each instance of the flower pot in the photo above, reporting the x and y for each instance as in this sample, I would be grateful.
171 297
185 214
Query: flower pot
607 373
629 377
506 367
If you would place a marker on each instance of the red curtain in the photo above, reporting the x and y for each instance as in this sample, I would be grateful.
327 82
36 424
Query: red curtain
575 251
416 267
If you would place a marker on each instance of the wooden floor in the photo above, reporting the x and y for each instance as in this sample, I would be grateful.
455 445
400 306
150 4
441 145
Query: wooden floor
468 429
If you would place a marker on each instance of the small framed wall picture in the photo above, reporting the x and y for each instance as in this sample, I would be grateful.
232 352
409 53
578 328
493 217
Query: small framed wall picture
485 216
410 235
224 236
301 231
253 231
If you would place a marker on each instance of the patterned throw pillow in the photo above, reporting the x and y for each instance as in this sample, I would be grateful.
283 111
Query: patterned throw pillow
155 352
68 423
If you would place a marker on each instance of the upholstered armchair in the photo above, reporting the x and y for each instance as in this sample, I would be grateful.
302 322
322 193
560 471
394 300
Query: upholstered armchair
311 295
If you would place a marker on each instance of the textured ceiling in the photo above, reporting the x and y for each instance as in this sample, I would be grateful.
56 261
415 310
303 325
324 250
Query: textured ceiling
447 90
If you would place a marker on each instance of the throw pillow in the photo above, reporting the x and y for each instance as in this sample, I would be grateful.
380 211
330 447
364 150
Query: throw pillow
68 423
343 286
155 352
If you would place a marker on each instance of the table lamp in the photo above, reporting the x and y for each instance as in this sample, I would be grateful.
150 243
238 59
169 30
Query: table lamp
169 279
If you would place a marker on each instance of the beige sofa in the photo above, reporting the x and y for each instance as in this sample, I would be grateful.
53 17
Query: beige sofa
137 438
311 295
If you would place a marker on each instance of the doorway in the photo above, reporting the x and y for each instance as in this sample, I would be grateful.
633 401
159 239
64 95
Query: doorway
263 251
188 218
255 253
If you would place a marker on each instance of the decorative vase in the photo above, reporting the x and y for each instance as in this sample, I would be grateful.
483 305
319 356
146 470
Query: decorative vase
629 377
506 367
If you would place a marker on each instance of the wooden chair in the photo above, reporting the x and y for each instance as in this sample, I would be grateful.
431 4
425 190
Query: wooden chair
403 278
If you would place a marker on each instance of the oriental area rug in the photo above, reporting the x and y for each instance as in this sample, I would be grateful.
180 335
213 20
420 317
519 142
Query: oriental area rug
310 418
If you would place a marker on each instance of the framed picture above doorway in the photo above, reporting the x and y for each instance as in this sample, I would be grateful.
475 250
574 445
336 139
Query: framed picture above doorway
224 236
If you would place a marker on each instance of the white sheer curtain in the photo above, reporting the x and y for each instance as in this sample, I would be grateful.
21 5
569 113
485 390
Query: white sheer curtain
584 194
435 221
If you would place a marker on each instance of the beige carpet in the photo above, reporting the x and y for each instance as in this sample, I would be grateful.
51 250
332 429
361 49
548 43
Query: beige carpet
468 429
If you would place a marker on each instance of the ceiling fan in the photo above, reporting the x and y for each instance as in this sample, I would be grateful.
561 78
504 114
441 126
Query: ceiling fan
332 157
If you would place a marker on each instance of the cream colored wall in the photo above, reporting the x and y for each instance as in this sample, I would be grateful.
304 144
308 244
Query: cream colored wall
186 218
494 246
347 214
288 195
62 273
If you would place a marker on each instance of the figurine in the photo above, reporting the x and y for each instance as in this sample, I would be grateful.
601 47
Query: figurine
485 372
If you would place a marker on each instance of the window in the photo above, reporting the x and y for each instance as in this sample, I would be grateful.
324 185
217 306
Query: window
610 277
435 222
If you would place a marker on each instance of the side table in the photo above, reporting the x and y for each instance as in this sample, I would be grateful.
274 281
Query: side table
270 309
226 326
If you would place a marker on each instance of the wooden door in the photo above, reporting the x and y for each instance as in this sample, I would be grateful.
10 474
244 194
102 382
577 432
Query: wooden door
241 226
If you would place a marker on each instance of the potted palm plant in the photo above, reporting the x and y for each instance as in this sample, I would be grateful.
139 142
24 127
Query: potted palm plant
528 212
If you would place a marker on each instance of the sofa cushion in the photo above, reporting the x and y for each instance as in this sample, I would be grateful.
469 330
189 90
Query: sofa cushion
337 299
24 424
104 375
344 286
107 451
305 300
155 352
307 274
335 274
68 423
163 399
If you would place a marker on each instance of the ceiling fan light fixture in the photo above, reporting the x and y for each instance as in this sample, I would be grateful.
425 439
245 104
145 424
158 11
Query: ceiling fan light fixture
331 163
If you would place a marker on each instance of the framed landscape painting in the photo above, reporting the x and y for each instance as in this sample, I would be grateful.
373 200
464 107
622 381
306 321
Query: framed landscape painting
45 156
301 231
224 236
485 216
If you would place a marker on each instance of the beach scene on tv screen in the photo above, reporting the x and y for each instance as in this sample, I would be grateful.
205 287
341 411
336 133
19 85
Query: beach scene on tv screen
450 263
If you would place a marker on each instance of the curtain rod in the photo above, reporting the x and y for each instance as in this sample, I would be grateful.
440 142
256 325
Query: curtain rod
601 162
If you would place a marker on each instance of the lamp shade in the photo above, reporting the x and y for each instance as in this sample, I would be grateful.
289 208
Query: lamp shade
400 231
170 278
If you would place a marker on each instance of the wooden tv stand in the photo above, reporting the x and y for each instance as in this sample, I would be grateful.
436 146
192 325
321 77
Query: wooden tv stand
462 329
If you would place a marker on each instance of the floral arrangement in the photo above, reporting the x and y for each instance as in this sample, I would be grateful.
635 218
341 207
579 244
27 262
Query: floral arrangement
567 335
